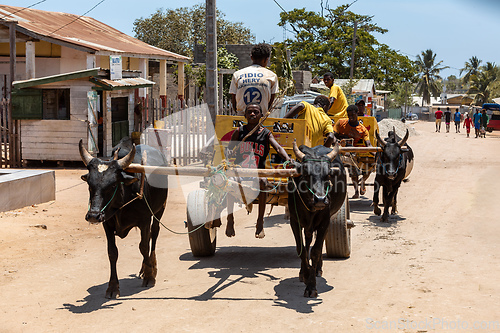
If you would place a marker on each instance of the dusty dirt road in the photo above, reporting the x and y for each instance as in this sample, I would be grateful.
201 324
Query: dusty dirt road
433 267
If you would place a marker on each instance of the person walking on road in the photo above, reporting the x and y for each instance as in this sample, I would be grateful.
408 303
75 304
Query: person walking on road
439 116
467 123
447 119
457 117
338 102
255 83
477 122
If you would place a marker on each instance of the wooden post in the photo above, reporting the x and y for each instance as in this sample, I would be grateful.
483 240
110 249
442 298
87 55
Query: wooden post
163 82
180 84
10 125
219 111
211 62
30 60
91 61
353 49
143 67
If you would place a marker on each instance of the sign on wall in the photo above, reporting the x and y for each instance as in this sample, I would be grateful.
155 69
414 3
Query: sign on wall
115 67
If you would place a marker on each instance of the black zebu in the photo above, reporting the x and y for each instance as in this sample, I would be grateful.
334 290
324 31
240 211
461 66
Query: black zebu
314 196
115 202
394 164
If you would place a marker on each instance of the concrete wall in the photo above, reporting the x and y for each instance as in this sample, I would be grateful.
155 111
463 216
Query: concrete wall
26 188
242 52
303 80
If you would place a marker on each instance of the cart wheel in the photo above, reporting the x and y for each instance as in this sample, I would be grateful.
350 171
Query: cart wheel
202 241
338 235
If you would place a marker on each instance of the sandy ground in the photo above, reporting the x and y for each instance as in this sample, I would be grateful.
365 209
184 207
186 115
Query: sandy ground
433 267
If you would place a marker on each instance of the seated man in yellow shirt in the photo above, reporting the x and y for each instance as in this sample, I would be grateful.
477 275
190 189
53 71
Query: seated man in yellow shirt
315 116
350 128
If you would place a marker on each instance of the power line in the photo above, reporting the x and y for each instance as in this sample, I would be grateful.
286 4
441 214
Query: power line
276 2
284 26
20 10
88 11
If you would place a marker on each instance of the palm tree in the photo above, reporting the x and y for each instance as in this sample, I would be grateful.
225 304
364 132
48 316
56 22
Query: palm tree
482 82
471 68
429 75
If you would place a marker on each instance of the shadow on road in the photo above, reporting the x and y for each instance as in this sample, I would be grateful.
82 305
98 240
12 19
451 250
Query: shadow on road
229 266
362 204
234 264
96 301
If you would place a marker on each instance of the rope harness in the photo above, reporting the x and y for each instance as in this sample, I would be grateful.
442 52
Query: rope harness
303 203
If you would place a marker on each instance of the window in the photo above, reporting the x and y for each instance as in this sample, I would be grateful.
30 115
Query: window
40 104
55 104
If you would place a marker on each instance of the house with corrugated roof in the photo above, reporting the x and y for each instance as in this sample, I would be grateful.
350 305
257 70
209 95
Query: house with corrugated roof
75 77
363 89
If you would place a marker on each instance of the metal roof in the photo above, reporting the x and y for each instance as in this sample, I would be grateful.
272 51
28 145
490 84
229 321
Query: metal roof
362 86
129 83
56 78
81 32
101 83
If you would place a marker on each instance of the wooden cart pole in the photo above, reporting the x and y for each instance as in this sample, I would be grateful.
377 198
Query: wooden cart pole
204 172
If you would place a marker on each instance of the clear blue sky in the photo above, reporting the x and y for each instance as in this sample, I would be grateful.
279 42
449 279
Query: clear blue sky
454 29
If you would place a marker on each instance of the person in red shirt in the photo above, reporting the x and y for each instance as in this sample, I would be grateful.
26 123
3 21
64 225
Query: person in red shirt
467 123
439 115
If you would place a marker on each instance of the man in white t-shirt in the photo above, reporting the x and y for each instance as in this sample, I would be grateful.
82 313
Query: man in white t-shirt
255 83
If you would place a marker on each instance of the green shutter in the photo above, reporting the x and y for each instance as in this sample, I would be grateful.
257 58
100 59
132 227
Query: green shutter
119 130
27 104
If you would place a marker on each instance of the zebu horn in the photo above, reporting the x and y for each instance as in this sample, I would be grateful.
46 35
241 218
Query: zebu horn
402 142
115 155
300 155
335 151
124 162
379 140
84 154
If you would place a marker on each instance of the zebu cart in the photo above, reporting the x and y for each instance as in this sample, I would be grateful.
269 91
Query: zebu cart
203 240
205 205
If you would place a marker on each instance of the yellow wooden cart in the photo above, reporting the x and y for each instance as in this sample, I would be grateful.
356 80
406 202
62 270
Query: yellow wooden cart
200 207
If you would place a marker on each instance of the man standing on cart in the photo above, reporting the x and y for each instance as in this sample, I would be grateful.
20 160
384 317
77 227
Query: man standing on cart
351 128
255 83
338 102
252 153
316 118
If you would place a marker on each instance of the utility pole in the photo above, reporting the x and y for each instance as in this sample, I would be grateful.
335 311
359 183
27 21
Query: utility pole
211 59
12 43
353 49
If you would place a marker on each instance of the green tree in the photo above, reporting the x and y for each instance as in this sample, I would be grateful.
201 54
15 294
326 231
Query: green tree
471 68
198 74
402 95
483 83
322 43
428 84
281 66
452 84
178 30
